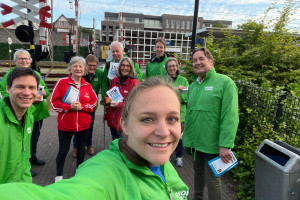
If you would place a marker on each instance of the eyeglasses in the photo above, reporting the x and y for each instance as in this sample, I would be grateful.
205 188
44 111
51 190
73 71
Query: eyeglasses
123 65
25 59
92 65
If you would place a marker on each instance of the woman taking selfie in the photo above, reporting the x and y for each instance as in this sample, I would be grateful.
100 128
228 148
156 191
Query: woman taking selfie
135 167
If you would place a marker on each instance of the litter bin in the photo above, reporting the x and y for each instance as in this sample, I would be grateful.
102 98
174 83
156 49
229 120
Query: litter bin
277 171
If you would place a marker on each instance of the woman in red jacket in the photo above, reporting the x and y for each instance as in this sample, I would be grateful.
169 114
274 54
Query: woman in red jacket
74 99
125 82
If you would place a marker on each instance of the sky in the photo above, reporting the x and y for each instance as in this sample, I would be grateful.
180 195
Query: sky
237 11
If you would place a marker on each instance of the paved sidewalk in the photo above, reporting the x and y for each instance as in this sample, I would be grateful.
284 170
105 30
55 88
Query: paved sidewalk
48 148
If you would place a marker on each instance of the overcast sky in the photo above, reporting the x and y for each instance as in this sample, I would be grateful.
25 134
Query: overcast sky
237 11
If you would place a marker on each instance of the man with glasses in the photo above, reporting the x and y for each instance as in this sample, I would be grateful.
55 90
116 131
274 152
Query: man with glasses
94 77
211 122
22 58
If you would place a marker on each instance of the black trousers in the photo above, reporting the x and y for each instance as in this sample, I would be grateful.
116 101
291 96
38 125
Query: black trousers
64 139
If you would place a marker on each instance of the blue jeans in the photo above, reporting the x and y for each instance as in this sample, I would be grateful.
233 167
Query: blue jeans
114 134
90 135
35 138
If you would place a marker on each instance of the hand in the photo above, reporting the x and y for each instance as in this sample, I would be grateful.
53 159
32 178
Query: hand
225 154
107 100
76 106
180 87
114 104
43 93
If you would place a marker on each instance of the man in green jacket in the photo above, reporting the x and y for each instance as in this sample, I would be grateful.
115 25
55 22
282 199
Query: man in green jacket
23 59
211 121
117 51
16 125
94 76
156 65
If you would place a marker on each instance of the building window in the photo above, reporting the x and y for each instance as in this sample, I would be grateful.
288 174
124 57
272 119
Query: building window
167 23
103 28
198 25
172 23
150 23
207 25
177 24
63 23
182 24
188 25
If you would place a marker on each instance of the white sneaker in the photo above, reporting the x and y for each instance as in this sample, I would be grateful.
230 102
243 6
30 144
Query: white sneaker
58 178
179 162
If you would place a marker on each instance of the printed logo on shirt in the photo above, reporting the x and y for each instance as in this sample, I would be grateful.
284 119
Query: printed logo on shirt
87 95
29 130
182 194
164 66
209 88
95 79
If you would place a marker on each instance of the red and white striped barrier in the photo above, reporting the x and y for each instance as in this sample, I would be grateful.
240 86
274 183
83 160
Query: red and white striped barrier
43 11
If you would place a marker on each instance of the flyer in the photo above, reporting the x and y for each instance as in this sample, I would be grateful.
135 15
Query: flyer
219 167
113 70
115 95
71 95
39 96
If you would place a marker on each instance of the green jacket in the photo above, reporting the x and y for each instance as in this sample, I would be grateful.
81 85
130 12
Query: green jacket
180 80
156 68
108 175
41 110
96 82
212 114
14 145
106 81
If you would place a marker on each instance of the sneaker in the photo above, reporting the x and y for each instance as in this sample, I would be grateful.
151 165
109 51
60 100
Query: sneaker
58 178
74 152
90 150
179 162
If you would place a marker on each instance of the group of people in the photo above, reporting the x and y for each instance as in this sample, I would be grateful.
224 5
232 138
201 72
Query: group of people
157 116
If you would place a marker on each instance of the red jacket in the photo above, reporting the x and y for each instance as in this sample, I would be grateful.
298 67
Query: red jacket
113 114
67 119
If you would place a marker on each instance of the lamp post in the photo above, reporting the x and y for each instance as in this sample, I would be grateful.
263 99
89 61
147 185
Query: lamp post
195 24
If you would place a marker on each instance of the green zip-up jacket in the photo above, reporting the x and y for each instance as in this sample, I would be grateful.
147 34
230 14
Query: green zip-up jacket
212 114
156 68
109 175
180 80
96 82
41 110
106 81
14 145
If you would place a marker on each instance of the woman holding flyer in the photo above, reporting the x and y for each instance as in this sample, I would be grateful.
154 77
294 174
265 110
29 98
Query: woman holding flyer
119 89
74 99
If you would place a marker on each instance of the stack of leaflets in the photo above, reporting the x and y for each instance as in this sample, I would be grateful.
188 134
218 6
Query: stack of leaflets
39 96
219 167
115 95
71 95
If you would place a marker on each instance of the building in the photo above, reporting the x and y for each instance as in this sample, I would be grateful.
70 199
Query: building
140 32
63 24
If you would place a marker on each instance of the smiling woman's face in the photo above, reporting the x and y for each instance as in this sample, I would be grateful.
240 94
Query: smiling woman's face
153 125
77 69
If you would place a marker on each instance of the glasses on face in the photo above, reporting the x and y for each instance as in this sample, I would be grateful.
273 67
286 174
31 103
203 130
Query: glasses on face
123 65
92 65
23 59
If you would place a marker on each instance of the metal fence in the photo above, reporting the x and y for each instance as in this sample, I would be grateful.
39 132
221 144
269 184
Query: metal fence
277 107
